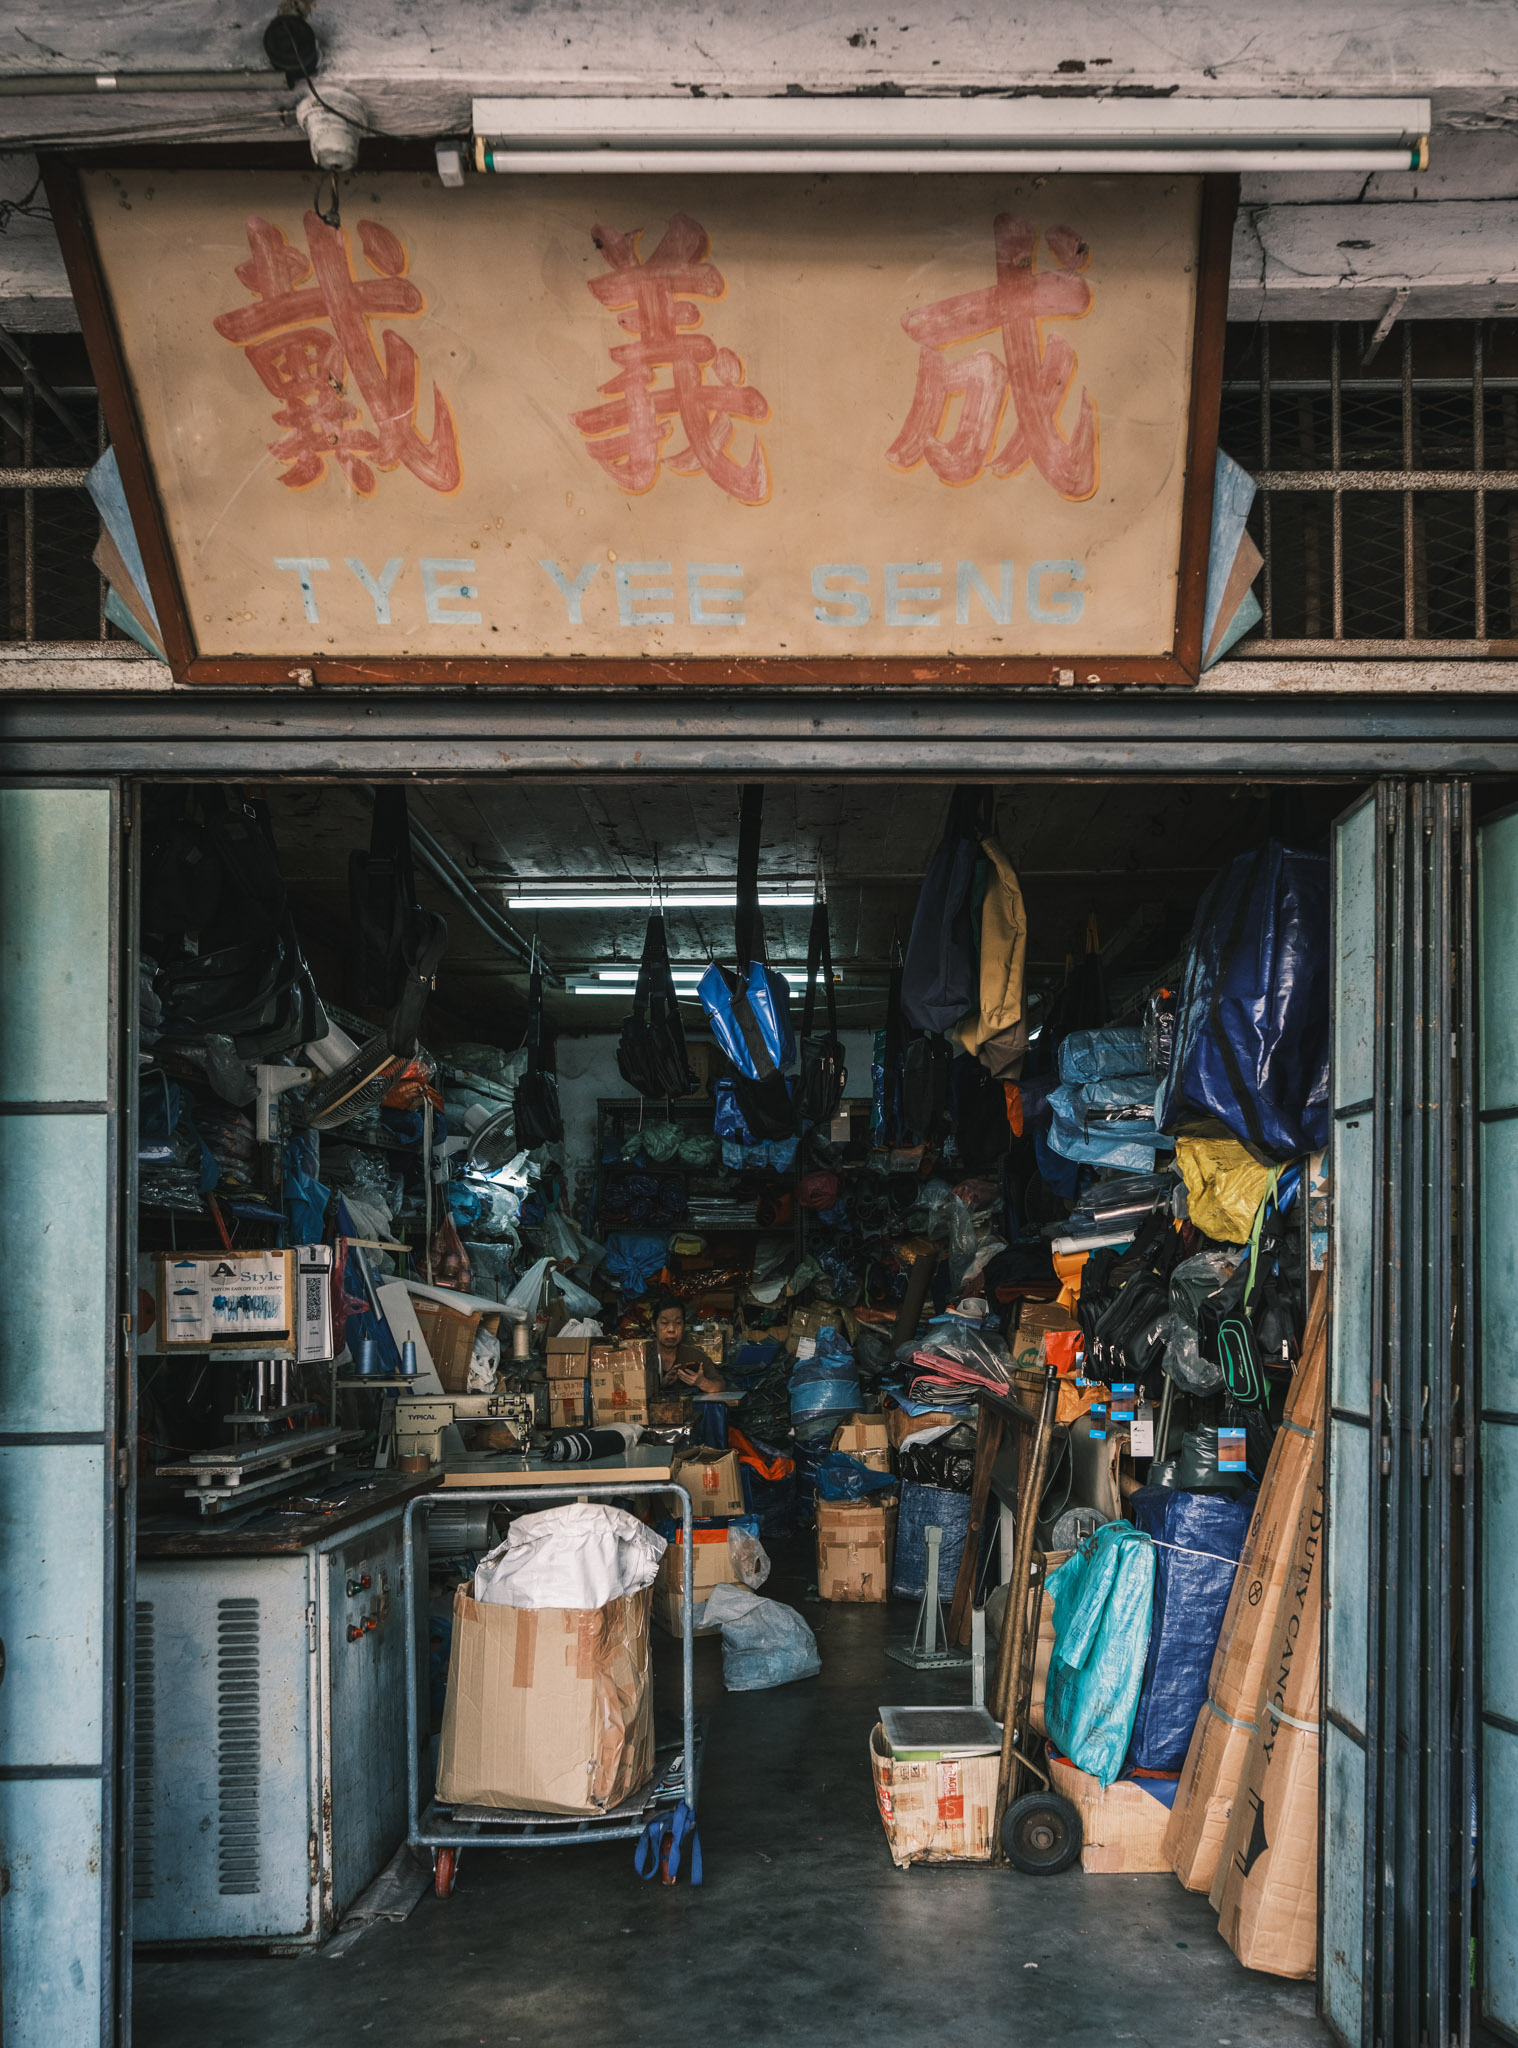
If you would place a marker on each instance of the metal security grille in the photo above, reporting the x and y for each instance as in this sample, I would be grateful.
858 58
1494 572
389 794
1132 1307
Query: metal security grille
239 1746
1388 471
51 432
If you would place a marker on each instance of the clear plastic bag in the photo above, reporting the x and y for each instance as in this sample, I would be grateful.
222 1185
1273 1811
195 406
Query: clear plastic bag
763 1643
1192 1282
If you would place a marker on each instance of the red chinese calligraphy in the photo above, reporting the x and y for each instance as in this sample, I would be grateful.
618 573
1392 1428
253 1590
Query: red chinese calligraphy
652 301
1033 371
306 340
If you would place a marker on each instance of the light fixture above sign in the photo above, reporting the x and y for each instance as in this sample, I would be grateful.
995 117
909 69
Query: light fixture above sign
1033 133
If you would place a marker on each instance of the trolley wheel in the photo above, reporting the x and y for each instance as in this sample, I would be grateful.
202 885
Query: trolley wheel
445 1872
1041 1834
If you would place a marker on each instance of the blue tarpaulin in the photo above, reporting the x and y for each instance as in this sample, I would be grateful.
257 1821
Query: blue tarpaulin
1199 1536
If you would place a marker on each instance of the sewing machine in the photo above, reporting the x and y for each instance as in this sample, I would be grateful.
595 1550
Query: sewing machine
420 1419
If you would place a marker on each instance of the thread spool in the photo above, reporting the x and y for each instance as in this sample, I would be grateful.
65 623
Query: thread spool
521 1343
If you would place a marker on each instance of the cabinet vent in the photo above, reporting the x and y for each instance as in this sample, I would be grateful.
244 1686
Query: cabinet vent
144 1742
237 1746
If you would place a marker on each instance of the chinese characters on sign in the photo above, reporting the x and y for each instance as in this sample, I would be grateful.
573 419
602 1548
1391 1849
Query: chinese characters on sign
1032 372
652 300
305 340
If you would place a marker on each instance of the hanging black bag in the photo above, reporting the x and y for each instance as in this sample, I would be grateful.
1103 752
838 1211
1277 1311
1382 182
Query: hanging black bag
535 1110
651 1056
823 1077
925 1069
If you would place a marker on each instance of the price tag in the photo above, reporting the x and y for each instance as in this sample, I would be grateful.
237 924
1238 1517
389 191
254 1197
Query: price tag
1098 1414
1141 1434
1231 1452
1123 1400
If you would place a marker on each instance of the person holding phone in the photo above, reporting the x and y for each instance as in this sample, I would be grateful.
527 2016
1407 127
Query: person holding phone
682 1362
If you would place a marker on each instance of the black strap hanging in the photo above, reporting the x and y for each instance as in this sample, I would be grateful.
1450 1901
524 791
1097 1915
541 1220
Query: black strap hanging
819 959
748 931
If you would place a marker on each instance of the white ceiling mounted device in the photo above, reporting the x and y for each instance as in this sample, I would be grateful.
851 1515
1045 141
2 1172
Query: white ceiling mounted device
659 136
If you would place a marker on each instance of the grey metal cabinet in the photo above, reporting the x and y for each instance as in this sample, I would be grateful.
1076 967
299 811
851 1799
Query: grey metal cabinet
269 1749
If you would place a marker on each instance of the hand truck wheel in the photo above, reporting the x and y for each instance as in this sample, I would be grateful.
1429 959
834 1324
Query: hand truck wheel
1041 1834
445 1870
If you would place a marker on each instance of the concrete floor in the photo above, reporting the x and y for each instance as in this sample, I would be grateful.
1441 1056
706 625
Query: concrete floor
803 1932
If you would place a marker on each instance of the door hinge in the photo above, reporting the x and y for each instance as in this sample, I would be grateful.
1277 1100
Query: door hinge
1457 1456
311 1627
313 1857
1428 1458
1385 1455
123 1468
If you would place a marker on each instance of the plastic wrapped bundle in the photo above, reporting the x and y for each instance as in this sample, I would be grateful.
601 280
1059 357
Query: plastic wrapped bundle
1103 1602
1200 1536
827 1383
1192 1282
923 1508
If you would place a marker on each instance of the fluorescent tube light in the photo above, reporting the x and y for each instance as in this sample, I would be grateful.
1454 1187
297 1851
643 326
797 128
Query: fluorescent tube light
637 898
1032 134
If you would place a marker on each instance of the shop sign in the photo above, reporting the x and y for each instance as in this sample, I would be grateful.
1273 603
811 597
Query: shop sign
917 430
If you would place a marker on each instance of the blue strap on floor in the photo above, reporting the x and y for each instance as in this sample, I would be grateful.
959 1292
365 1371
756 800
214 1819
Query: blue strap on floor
677 1828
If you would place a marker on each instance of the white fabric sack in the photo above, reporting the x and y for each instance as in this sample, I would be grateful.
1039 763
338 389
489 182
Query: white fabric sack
580 1555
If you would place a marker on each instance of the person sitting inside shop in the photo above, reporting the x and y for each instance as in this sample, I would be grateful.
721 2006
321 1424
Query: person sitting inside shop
682 1362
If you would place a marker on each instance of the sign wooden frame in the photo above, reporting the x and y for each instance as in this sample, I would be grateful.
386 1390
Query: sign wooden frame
913 673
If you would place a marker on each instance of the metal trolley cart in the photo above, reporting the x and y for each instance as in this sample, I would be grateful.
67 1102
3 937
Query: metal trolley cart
446 1830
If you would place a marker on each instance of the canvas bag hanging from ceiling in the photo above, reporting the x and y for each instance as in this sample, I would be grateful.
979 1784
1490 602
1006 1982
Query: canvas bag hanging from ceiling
749 1007
997 1030
823 1077
535 1106
938 987
651 1056
1251 1036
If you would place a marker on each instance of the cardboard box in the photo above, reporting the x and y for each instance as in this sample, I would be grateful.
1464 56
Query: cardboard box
623 1382
1220 1741
1204 1800
549 1709
225 1301
568 1358
711 1565
1122 1825
713 1481
1266 1888
866 1438
566 1404
900 1425
450 1335
1034 1322
934 1810
856 1548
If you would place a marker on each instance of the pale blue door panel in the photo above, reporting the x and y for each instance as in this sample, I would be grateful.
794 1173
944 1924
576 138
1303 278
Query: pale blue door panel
1497 994
1347 1615
1354 1021
1498 1945
50 1984
1343 1883
1359 1033
52 1595
60 1510
1353 1267
53 1223
1499 1265
55 950
1499 1561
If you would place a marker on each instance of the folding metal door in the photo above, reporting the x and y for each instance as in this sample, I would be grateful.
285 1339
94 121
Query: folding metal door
60 1485
1392 1798
1493 1718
